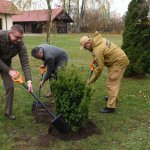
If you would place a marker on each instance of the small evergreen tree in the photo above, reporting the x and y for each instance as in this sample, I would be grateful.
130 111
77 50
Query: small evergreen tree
136 38
72 97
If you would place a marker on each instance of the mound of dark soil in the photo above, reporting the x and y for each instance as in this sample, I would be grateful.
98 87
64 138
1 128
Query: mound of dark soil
40 113
42 116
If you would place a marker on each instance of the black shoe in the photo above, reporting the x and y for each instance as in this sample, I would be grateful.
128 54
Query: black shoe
106 99
107 110
10 116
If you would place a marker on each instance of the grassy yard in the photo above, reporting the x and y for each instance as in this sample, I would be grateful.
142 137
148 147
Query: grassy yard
127 129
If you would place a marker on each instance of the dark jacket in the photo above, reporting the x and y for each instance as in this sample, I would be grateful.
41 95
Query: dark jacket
9 50
53 58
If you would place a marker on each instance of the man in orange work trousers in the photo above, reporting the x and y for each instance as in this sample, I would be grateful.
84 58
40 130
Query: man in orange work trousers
106 53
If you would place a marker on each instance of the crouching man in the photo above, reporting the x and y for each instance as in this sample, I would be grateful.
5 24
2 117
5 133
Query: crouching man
53 57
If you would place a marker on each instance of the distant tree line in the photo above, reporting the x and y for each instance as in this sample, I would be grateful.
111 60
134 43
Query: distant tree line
92 15
86 16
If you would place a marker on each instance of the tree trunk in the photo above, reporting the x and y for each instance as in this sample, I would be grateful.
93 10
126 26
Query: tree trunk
80 16
49 22
77 14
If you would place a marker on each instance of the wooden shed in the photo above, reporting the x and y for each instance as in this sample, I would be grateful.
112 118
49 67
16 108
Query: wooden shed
35 21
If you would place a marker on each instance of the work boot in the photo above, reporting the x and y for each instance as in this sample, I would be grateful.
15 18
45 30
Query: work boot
107 110
10 116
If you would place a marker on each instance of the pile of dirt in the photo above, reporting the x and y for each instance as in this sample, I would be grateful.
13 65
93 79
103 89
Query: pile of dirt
42 116
40 113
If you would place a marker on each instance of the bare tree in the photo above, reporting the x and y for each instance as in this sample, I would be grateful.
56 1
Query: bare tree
69 6
98 17
77 14
101 8
29 4
22 4
81 15
49 21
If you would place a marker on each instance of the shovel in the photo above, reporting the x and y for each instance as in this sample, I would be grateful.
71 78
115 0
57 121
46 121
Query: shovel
58 122
92 67
42 70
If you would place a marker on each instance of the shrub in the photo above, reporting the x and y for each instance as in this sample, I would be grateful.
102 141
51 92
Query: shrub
136 41
72 97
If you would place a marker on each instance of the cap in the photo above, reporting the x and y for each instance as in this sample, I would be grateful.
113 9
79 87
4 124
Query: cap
83 40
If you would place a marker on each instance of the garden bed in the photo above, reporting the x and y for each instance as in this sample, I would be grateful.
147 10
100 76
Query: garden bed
42 116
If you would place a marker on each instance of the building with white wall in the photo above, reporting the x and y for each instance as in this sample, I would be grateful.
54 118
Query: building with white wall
7 9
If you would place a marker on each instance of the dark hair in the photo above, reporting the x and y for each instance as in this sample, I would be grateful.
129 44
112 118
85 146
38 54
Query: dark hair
18 28
35 51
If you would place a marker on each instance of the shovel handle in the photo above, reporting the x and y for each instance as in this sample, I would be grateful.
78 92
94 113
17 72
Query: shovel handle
19 78
92 66
42 69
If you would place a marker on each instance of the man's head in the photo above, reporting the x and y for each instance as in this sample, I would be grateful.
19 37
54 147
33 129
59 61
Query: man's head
37 52
85 42
16 34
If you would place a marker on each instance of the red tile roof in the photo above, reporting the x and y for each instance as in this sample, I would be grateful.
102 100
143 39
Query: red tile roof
36 15
7 7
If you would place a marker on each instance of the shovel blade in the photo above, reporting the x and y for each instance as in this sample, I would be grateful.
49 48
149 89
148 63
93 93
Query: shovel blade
60 124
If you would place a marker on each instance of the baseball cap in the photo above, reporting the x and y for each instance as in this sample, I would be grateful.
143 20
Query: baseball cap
83 40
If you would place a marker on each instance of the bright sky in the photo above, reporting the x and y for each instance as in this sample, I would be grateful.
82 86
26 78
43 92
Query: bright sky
120 6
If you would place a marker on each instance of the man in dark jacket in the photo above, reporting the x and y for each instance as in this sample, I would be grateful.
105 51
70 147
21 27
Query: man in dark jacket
11 44
53 58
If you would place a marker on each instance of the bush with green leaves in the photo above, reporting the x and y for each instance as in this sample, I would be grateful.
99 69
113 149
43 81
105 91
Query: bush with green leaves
136 38
72 97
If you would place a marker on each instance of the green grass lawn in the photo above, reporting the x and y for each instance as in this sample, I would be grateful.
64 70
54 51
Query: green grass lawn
127 129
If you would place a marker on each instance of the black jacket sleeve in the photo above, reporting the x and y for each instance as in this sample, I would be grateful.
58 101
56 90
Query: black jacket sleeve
50 67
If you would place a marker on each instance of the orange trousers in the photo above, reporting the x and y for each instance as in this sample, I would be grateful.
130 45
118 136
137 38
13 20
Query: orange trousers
113 85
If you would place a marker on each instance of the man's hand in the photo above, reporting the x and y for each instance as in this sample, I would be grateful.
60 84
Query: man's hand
42 82
88 82
29 84
42 66
14 74
93 61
